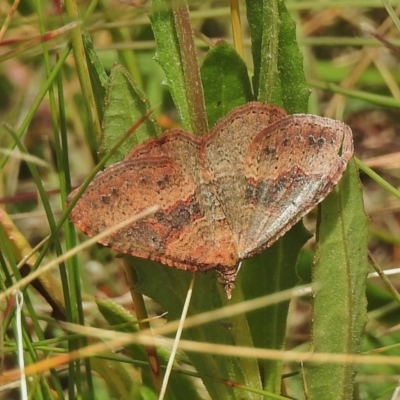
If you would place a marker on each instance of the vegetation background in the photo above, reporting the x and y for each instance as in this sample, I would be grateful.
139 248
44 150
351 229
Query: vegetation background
64 105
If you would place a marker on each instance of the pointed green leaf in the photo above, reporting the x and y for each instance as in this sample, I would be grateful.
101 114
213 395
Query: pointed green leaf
225 80
98 77
264 25
294 88
278 63
169 57
125 105
339 307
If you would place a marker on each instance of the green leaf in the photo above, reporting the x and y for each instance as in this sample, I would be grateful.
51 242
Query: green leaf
294 88
123 321
264 24
274 49
125 104
272 271
169 57
120 379
169 287
147 394
339 309
225 80
98 77
278 63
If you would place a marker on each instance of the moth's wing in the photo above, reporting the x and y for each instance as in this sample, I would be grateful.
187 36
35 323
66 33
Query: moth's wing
290 167
179 234
223 156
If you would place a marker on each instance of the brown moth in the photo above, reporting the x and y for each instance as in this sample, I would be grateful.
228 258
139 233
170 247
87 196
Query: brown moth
223 197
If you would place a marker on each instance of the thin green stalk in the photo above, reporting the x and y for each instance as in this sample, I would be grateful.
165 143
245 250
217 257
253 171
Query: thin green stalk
84 78
392 13
191 71
358 94
377 178
386 281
